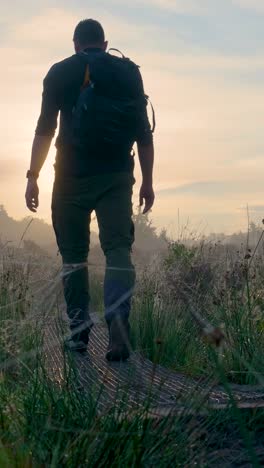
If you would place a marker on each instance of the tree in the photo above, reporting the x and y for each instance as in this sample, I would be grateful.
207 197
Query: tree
146 234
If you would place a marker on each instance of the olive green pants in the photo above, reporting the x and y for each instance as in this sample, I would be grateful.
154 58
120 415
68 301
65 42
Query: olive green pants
73 201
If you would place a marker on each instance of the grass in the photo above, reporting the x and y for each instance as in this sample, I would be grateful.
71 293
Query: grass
43 424
175 340
227 294
46 425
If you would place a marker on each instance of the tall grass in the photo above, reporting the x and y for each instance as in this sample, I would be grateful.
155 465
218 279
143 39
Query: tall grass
46 425
43 424
224 288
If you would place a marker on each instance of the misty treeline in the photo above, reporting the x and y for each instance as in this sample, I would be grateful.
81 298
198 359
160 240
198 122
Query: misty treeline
38 236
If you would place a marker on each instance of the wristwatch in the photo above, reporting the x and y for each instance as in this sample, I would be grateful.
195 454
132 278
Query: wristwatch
32 174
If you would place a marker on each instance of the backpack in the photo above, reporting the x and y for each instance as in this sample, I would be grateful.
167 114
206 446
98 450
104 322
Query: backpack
108 112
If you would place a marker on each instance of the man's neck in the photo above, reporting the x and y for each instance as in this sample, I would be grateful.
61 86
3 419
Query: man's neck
92 48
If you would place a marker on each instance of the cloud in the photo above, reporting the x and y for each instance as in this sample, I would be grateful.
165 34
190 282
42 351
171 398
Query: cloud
47 33
178 6
255 5
256 208
200 188
10 168
188 60
18 11
213 188
212 8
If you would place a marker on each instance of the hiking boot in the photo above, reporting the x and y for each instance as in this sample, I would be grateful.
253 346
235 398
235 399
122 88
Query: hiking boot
78 341
118 347
78 346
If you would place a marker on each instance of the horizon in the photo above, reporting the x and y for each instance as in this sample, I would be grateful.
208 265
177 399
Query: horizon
202 67
185 233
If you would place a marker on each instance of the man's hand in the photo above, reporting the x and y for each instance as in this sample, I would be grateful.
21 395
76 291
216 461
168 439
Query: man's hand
32 195
40 149
146 193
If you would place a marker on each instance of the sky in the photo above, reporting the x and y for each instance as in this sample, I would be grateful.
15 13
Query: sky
202 63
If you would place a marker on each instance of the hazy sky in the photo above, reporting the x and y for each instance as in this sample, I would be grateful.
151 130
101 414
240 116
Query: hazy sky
203 66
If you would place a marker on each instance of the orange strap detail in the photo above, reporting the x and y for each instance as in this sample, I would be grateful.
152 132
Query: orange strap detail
86 80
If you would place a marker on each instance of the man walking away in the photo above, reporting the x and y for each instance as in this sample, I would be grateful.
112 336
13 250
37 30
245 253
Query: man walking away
102 108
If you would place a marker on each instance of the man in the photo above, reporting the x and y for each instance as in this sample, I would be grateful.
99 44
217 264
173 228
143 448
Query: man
87 180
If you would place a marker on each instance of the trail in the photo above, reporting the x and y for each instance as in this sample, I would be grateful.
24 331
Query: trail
139 380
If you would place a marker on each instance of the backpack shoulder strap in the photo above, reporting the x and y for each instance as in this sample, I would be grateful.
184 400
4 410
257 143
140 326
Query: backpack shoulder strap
122 56
87 75
153 116
116 50
87 78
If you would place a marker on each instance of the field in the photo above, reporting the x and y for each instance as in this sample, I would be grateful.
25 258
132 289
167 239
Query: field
197 311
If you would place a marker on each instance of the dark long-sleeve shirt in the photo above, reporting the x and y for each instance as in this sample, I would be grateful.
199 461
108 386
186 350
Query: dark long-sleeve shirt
61 89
